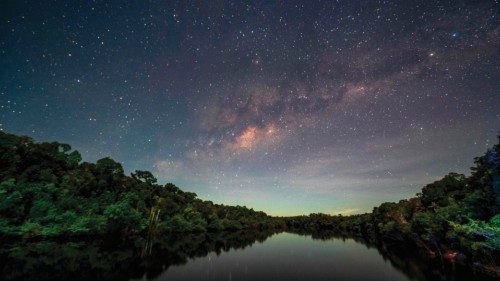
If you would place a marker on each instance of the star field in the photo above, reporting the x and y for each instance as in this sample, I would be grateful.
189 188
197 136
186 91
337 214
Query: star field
289 107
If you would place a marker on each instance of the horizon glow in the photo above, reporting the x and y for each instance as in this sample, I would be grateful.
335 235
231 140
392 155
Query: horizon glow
287 108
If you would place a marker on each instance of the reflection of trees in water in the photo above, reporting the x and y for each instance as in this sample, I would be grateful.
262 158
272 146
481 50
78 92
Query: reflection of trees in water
410 261
101 259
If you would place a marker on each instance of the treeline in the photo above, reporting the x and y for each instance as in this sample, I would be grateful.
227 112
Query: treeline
45 190
455 218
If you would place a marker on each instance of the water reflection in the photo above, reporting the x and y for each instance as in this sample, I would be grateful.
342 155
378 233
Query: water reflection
414 265
113 260
222 256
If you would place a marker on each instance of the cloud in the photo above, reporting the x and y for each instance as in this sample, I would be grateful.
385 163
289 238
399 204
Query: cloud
346 212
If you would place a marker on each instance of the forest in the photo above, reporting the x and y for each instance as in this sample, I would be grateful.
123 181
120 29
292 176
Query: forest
46 191
454 218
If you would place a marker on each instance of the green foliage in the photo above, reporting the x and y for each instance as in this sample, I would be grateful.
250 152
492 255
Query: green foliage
437 193
46 191
455 213
144 176
489 230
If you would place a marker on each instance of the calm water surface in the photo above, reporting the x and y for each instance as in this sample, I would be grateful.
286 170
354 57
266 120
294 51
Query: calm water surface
287 256
222 256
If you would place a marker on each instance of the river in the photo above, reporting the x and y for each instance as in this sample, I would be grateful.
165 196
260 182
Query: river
223 256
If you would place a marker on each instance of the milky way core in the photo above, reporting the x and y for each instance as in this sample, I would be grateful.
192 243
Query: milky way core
283 106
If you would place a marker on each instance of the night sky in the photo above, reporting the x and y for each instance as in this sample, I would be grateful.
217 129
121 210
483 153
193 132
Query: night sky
283 106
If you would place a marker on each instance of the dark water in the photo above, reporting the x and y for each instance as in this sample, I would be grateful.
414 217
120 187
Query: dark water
288 256
223 256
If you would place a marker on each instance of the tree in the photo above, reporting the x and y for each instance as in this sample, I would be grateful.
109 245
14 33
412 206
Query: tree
144 176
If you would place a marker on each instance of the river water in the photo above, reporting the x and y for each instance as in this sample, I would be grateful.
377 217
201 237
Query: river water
287 256
223 256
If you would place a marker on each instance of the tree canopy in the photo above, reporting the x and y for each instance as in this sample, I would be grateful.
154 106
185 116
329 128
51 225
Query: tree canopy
45 190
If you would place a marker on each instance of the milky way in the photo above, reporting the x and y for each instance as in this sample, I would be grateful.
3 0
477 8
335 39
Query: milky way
284 106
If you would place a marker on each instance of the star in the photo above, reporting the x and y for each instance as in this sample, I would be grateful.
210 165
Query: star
318 99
